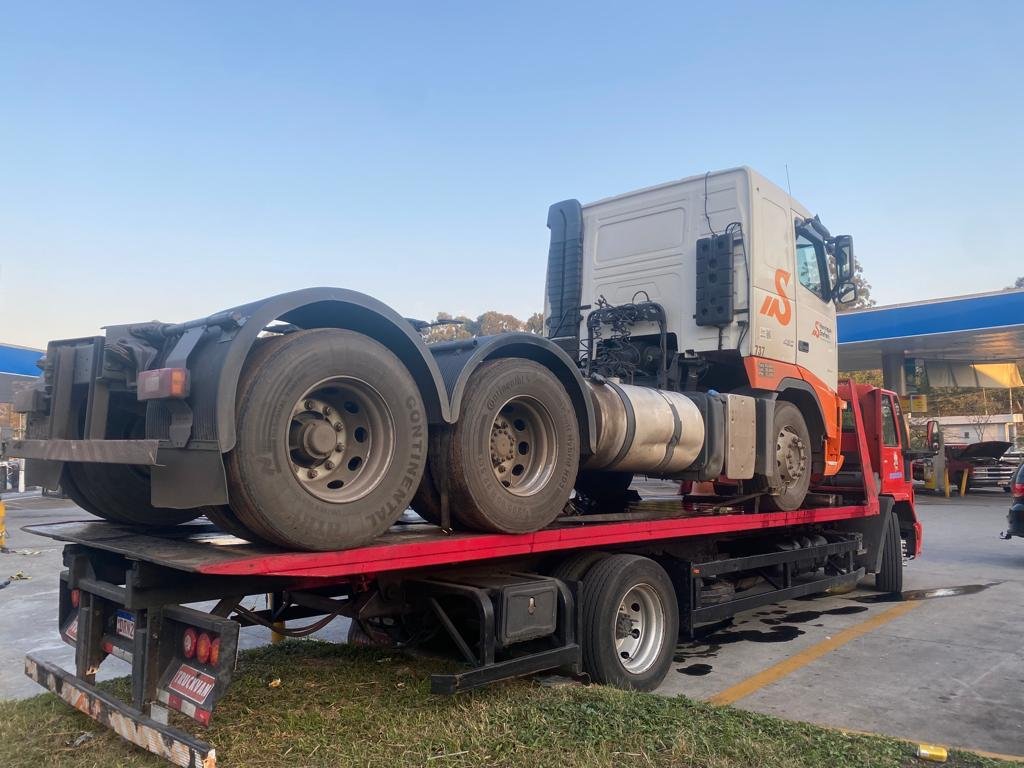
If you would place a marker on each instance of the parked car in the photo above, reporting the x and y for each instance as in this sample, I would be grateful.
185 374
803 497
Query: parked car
1015 517
983 462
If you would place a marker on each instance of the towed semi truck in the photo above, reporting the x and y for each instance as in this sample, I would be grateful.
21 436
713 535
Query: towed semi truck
274 449
690 334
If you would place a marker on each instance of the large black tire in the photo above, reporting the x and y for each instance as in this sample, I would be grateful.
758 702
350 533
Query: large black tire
225 520
287 385
650 618
427 500
574 568
793 458
71 490
515 450
889 578
120 493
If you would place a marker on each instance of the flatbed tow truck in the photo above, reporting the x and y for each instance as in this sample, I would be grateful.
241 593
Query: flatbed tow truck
603 595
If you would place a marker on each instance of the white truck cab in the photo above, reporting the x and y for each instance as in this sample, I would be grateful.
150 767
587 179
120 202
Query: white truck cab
714 282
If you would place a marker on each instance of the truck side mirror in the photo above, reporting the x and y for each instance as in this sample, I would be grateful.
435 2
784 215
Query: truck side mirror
934 443
842 248
845 293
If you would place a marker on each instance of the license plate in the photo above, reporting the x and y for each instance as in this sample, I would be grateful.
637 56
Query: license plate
125 625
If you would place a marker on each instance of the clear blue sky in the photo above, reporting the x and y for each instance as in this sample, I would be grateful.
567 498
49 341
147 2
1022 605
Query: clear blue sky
217 152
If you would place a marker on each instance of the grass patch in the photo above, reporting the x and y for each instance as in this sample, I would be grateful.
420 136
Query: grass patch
340 706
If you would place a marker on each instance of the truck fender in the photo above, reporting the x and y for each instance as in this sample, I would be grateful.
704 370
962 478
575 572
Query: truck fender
458 359
317 308
804 397
872 530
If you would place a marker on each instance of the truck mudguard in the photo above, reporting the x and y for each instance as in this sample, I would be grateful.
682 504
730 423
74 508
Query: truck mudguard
458 359
216 364
326 308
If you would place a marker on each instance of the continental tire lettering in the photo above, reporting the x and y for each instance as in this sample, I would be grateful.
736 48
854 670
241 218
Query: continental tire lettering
779 306
411 477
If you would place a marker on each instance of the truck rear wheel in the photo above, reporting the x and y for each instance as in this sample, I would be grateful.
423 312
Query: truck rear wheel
427 501
515 450
630 622
792 457
225 520
332 439
120 493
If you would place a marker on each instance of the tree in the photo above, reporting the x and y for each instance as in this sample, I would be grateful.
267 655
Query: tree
1018 283
492 322
979 421
448 331
535 324
863 287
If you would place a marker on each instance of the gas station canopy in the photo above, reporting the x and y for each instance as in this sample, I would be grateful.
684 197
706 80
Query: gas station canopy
20 361
985 327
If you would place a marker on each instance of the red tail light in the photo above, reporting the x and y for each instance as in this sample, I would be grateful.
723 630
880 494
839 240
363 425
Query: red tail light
76 598
162 383
1018 489
215 652
188 643
203 645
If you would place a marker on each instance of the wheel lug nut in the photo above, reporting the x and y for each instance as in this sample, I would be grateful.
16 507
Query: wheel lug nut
339 447
327 410
328 464
311 474
310 405
338 427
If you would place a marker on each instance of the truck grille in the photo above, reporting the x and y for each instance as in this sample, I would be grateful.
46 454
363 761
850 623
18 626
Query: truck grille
993 474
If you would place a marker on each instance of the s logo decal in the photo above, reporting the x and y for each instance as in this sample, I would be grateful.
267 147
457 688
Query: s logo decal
779 306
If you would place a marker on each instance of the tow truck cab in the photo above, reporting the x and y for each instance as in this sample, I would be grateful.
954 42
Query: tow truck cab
888 447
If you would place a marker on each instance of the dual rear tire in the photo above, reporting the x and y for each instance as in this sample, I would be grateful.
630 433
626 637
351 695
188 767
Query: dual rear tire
332 445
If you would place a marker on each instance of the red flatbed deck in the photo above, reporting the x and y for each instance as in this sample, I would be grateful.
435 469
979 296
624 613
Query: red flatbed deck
199 548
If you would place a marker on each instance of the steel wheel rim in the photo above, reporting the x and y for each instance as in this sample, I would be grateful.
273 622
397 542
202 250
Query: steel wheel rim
639 628
341 439
790 456
520 443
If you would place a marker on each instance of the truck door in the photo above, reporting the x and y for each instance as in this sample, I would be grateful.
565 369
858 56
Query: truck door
773 332
893 469
815 313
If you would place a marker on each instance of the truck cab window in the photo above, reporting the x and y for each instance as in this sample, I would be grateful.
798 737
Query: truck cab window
810 268
889 438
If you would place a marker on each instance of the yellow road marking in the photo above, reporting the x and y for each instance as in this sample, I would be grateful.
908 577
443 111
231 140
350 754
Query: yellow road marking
778 671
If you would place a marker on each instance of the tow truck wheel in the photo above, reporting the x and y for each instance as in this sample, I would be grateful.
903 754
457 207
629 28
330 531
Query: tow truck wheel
792 457
515 449
574 568
889 578
332 439
630 622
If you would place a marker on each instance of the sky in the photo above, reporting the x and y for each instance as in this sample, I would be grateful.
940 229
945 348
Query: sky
166 160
